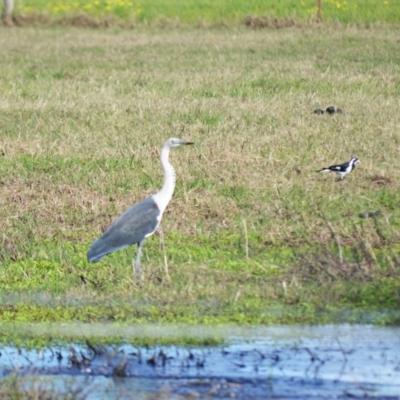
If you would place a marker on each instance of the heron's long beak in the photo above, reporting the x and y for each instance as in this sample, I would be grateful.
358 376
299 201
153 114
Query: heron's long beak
187 143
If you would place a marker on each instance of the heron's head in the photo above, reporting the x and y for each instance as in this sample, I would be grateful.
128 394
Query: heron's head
174 142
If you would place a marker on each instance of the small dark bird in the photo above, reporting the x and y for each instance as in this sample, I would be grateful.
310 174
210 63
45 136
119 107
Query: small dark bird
342 169
331 110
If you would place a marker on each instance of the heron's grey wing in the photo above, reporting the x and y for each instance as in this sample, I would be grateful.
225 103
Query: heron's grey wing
134 225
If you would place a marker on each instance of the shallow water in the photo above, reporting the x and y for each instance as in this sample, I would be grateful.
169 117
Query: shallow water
259 362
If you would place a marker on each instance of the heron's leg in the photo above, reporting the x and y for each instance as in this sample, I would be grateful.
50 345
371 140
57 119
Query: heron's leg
137 271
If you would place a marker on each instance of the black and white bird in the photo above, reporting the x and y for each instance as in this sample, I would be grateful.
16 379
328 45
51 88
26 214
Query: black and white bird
342 169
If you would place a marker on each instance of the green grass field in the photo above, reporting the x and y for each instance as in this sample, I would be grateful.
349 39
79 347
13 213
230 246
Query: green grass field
253 234
217 12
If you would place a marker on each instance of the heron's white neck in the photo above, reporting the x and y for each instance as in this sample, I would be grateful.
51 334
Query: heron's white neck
163 197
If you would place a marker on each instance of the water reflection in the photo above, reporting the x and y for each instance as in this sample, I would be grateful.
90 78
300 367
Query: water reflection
258 362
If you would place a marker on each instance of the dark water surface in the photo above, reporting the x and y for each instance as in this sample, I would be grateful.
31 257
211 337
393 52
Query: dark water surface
291 362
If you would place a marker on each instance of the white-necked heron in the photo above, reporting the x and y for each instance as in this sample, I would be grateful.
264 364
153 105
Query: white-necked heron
141 220
342 169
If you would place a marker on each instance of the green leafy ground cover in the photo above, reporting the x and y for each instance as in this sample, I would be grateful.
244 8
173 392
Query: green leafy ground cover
253 234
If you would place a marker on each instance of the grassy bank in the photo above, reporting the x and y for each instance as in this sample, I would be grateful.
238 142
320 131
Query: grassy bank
252 227
206 12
